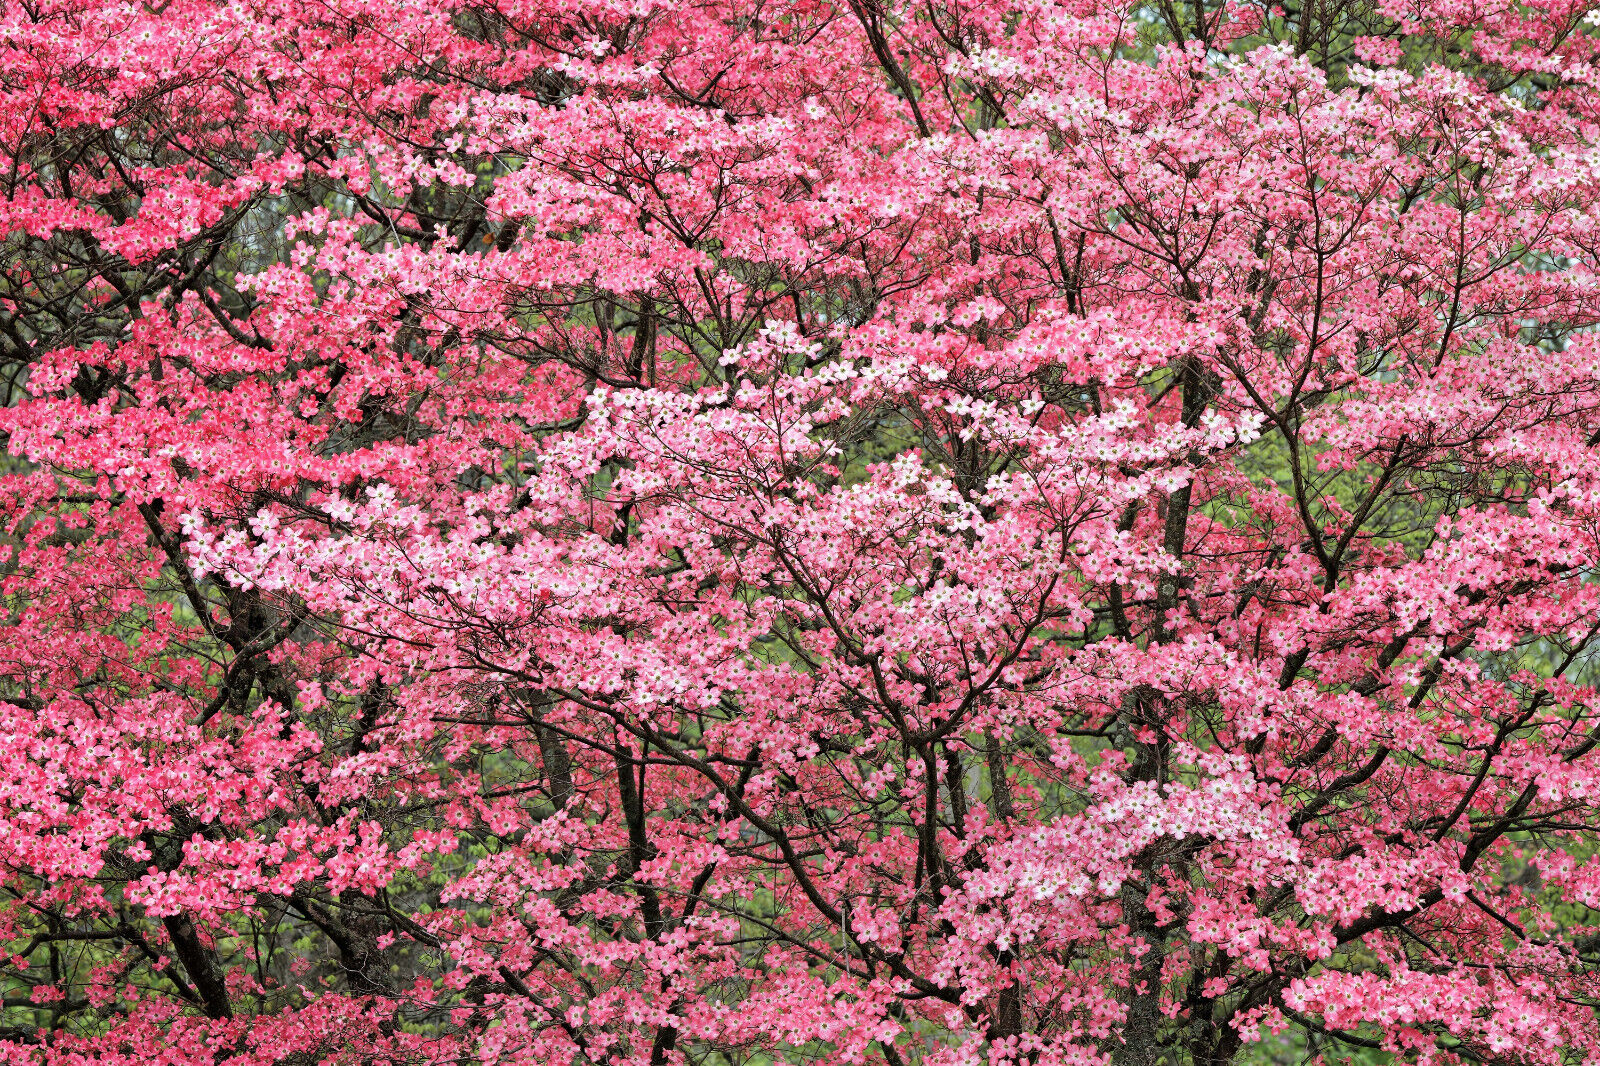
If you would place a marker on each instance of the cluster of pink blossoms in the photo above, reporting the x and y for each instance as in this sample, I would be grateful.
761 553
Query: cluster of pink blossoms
667 533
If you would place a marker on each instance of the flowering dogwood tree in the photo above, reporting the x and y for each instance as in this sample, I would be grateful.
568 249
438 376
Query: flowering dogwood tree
773 531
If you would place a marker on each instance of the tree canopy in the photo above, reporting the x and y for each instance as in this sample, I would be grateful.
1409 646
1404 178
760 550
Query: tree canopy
720 532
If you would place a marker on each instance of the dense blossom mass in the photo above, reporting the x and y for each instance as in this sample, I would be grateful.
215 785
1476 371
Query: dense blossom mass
644 532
